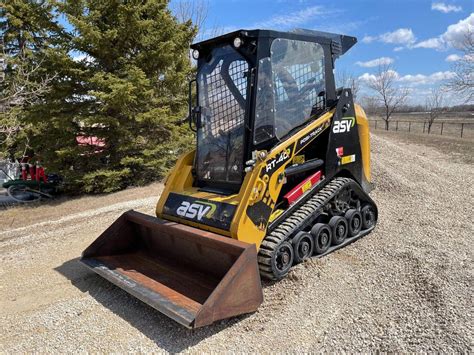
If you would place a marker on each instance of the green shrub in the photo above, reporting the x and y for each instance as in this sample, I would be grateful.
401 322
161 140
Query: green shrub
106 180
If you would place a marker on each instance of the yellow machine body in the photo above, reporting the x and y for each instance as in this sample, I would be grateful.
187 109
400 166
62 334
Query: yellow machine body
280 173
254 188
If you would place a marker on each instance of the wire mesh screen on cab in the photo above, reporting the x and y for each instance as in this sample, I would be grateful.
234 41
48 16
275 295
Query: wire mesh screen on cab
226 105
222 96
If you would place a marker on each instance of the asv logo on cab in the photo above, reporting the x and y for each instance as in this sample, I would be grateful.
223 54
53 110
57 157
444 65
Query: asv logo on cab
196 210
343 125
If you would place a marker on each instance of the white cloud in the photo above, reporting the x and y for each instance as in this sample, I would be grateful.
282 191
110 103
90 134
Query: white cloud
454 36
398 49
445 8
433 43
369 39
376 62
413 80
420 79
293 18
401 36
367 77
456 57
453 58
372 77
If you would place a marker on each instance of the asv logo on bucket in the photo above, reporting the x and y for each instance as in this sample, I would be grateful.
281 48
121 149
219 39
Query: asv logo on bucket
344 125
196 210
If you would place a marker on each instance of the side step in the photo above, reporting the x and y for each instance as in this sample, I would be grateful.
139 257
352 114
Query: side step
192 276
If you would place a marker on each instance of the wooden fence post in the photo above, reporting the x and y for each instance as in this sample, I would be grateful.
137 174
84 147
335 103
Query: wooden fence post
375 124
424 125
396 129
462 128
409 126
442 124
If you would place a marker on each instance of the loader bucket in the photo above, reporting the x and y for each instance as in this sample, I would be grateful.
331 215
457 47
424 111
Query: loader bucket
192 276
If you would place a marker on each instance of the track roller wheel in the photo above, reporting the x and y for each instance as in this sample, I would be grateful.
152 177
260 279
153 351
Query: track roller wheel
302 246
322 235
368 216
354 222
282 260
339 228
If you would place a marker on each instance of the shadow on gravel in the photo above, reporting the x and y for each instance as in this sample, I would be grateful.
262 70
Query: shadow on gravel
166 333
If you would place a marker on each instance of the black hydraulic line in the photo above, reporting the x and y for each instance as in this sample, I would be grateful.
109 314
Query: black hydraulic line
312 164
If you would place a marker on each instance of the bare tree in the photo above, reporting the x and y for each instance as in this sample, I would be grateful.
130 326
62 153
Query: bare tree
388 93
463 81
434 106
348 80
195 11
22 90
18 91
371 105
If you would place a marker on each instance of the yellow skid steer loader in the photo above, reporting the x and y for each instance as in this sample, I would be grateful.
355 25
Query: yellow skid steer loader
280 173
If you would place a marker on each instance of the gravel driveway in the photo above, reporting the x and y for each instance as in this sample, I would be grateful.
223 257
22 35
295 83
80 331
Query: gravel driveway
405 287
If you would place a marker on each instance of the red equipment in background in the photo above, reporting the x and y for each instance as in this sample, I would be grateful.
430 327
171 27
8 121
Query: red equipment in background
40 174
24 172
35 172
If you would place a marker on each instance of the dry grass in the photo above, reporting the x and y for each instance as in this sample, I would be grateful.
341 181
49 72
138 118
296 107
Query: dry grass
65 205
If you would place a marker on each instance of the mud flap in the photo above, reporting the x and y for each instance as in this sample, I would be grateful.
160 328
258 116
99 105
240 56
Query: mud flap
192 276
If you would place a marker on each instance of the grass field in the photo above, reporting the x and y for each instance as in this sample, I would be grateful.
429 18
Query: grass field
452 125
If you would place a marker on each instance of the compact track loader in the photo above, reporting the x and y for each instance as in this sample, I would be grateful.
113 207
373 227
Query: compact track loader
280 173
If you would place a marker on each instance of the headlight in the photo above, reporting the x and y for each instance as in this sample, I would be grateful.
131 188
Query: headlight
196 54
237 42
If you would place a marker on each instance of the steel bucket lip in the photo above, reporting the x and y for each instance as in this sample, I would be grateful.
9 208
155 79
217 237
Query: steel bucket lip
221 303
143 293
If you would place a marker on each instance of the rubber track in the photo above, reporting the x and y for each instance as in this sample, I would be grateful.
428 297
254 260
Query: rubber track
303 216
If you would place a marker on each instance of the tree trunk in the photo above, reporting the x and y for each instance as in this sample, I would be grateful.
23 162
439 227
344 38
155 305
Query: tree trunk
387 117
430 123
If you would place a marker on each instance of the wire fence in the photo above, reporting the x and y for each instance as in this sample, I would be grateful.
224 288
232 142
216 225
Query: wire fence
453 129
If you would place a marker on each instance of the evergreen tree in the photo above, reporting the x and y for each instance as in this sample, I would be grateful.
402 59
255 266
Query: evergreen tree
118 77
30 35
120 81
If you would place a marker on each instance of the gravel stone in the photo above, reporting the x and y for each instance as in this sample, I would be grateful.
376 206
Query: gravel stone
406 287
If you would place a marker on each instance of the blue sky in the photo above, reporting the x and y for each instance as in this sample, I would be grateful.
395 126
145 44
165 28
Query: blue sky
419 38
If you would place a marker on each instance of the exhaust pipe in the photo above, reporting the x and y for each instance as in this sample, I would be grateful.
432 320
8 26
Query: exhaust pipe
192 276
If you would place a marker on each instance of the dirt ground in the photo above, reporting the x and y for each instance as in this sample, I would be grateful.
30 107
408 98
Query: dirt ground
407 286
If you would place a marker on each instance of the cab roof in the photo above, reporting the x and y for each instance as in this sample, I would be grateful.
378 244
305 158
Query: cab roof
340 43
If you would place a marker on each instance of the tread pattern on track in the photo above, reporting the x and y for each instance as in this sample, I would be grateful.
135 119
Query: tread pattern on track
298 220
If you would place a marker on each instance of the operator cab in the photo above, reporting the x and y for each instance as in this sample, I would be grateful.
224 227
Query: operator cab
254 88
